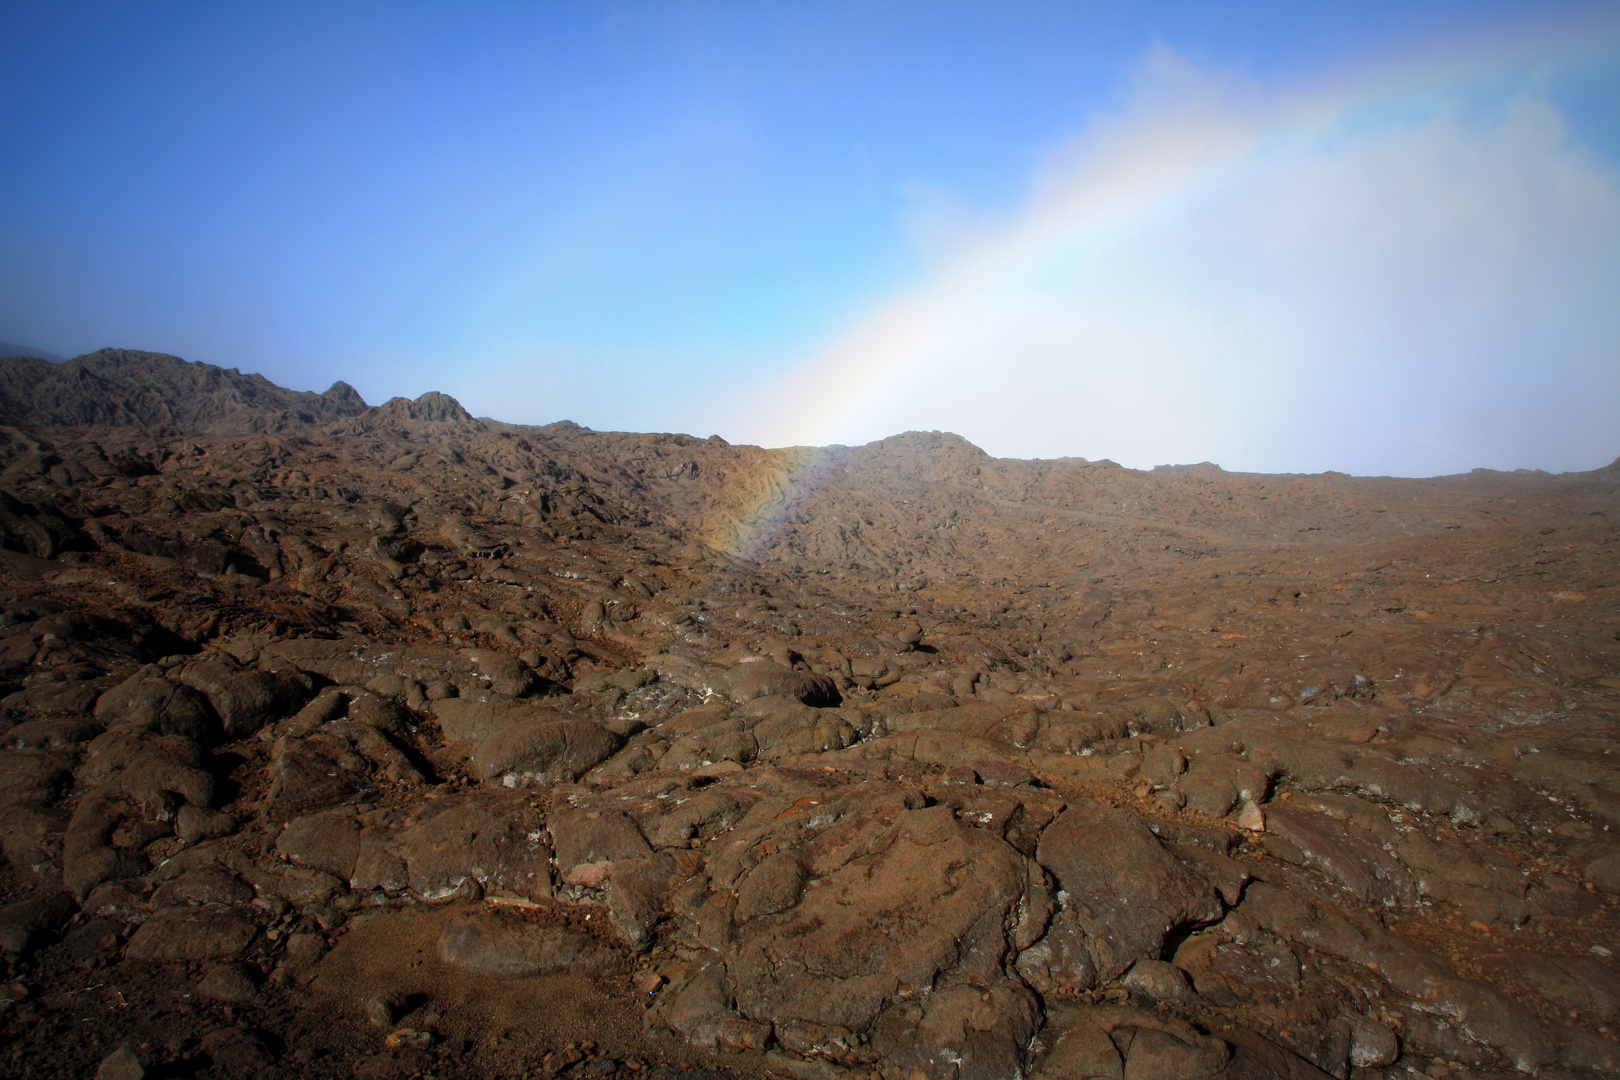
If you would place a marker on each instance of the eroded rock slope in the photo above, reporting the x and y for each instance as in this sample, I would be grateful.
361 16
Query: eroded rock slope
895 760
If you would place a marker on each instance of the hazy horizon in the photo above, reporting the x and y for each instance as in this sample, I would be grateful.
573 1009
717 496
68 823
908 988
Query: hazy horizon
1376 239
880 438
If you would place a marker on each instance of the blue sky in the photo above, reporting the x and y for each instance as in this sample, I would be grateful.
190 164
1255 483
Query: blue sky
1372 237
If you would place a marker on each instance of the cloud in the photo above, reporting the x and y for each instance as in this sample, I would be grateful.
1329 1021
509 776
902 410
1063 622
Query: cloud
1384 278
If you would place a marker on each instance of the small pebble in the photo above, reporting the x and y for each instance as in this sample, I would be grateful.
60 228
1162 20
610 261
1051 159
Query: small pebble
409 1039
382 1010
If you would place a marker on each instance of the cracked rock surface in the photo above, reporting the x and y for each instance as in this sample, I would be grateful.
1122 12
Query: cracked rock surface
352 741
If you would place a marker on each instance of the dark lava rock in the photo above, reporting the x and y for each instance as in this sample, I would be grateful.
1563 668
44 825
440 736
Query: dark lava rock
933 766
507 947
191 934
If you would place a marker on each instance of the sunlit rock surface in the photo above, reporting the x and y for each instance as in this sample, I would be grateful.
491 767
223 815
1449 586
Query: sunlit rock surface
348 741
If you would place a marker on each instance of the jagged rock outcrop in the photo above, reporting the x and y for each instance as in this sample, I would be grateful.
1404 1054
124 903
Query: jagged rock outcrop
124 388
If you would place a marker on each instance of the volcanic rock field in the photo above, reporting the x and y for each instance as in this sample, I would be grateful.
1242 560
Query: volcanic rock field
349 741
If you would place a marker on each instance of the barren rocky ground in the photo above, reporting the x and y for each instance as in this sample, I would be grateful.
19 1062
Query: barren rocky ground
387 742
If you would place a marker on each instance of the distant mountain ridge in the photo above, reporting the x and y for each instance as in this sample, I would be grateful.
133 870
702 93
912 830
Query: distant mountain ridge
9 349
125 388
129 388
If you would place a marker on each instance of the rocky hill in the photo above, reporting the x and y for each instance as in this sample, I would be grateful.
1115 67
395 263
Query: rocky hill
392 742
120 388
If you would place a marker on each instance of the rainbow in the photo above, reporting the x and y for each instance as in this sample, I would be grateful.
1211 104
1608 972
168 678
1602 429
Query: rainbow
1125 169
756 500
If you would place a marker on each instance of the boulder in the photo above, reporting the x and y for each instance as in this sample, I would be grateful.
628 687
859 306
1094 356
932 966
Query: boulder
337 763
637 896
326 841
1126 1044
69 698
1232 973
594 836
27 924
1127 892
151 770
496 842
246 700
31 814
773 680
318 770
884 925
196 823
298 885
383 713
464 719
206 885
1083 1052
124 1063
188 935
149 703
508 946
232 983
53 734
1157 980
504 674
542 752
